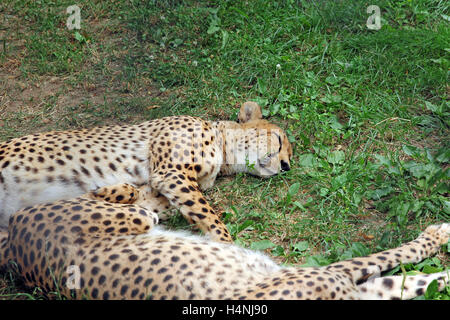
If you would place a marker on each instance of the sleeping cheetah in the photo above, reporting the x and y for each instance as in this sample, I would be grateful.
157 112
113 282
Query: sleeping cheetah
175 157
88 248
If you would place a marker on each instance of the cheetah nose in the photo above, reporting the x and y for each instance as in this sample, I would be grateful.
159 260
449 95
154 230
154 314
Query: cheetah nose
285 166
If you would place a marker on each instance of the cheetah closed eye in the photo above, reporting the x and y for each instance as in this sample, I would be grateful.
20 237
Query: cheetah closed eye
88 248
174 157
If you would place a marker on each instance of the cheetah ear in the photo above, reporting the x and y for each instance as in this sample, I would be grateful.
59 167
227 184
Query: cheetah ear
249 111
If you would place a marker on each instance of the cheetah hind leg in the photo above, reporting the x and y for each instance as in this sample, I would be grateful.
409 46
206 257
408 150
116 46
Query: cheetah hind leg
401 287
408 287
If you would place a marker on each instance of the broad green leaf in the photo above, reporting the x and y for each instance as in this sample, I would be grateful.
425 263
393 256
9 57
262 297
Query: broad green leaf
316 261
382 160
274 108
299 205
261 101
432 289
261 85
339 180
443 156
420 170
213 28
307 160
410 150
432 107
262 245
335 124
332 80
278 251
417 205
245 225
379 193
446 206
293 189
79 37
336 157
359 250
301 246
431 269
225 36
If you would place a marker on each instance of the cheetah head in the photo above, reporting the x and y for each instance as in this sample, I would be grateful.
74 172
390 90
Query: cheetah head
257 146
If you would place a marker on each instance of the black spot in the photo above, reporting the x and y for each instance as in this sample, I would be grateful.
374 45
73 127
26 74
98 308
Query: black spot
189 203
75 217
167 278
123 290
96 216
93 229
134 293
162 270
148 282
388 283
95 271
115 267
75 229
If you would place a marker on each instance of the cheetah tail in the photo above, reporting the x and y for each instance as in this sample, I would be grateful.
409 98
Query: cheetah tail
4 248
401 287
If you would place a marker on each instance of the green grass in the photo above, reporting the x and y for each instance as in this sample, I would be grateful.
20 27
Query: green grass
367 111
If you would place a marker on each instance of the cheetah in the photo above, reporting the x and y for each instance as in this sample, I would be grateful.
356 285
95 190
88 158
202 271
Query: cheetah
87 248
175 157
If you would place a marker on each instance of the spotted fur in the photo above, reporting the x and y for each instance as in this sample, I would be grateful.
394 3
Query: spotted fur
115 252
174 157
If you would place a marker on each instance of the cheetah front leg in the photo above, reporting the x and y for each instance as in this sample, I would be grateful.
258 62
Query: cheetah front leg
181 189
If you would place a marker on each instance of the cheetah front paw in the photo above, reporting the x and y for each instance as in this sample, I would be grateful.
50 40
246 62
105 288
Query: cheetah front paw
120 193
